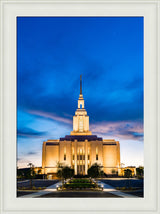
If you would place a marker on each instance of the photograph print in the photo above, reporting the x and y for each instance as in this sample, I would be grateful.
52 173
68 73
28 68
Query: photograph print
80 106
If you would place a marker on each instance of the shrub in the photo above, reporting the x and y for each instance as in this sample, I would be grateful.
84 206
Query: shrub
127 173
123 188
40 188
79 185
80 181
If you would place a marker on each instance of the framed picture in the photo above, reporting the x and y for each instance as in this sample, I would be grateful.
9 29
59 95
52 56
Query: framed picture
99 59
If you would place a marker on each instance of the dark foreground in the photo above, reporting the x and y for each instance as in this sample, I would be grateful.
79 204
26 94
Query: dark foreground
115 182
134 183
21 193
79 195
36 183
121 182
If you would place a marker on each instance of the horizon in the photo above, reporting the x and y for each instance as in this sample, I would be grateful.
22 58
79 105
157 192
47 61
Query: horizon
52 52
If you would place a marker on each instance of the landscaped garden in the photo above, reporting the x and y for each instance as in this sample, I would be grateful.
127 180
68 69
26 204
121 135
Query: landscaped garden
66 174
80 184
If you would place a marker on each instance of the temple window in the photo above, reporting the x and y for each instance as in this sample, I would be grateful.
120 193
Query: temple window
64 153
80 125
97 153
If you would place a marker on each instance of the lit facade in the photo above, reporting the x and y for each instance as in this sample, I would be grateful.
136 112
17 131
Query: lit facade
81 149
122 170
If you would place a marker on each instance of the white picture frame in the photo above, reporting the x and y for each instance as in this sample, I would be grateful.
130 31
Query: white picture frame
150 11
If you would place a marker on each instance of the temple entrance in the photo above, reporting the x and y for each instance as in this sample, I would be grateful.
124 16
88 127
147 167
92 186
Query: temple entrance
81 169
81 161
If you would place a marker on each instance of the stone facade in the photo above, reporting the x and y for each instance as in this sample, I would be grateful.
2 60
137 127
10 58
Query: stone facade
81 149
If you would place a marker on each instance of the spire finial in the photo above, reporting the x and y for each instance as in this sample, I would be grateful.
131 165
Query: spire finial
80 84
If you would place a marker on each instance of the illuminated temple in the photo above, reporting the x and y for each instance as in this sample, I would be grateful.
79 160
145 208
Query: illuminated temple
80 149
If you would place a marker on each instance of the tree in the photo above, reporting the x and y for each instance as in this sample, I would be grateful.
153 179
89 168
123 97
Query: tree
59 173
101 174
127 173
140 171
64 172
59 170
59 165
31 173
19 173
113 171
67 172
95 171
39 171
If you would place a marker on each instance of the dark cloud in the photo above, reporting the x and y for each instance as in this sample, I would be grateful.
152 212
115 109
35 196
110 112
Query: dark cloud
30 133
122 107
132 135
31 153
50 62
53 52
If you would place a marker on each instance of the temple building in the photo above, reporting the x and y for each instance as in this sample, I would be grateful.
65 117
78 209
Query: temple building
80 149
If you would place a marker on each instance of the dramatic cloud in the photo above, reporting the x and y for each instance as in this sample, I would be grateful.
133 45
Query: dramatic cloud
30 133
51 116
123 130
112 68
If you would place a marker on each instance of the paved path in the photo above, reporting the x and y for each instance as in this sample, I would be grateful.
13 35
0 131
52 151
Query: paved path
49 189
19 182
52 188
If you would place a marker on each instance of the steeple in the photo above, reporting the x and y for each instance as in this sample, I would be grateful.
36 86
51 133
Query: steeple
80 84
80 100
81 119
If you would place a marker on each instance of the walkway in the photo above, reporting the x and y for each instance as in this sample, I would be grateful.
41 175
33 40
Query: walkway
112 190
49 189
53 188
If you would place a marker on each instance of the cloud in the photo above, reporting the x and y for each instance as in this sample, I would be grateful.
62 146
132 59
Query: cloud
47 80
22 160
123 130
31 153
30 133
51 116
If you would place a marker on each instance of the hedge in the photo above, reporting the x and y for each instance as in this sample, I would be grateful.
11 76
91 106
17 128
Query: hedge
79 185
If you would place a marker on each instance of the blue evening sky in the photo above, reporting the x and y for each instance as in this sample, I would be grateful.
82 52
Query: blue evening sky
52 52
